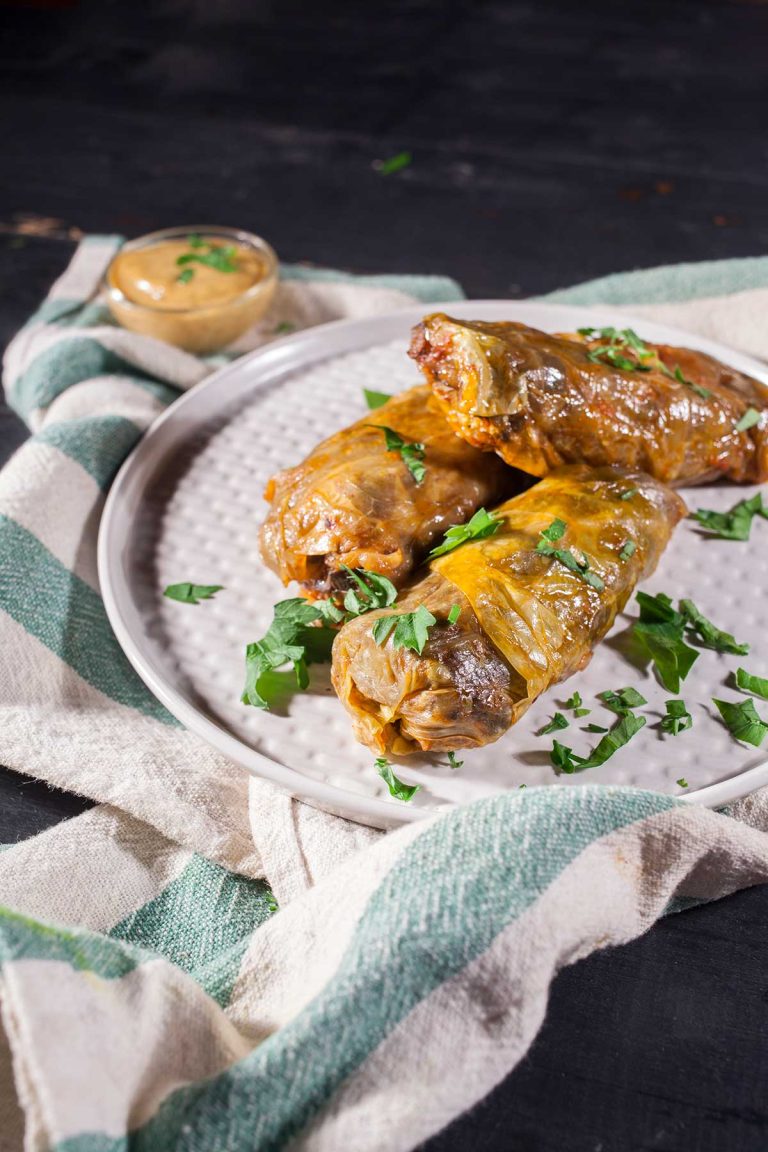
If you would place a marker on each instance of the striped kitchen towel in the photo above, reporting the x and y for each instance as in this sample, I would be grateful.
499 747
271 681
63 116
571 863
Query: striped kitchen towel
150 997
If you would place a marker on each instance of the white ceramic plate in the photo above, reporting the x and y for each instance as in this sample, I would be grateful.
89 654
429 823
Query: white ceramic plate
187 505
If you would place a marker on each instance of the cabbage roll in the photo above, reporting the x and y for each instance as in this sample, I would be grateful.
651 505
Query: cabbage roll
526 618
352 502
540 401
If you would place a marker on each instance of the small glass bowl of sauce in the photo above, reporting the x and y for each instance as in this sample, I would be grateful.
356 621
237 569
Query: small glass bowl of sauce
198 288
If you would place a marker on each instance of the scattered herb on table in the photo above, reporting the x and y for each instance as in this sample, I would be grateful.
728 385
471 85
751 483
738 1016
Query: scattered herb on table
411 629
736 524
375 399
749 683
743 721
192 593
482 525
565 759
557 722
411 451
622 700
394 163
293 638
397 789
678 718
708 634
546 547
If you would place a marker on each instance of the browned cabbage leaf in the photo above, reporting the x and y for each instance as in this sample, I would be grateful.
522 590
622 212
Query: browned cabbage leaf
526 620
539 401
352 502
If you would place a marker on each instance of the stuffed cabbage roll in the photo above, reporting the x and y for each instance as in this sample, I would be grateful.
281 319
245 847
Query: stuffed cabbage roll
605 397
354 502
514 613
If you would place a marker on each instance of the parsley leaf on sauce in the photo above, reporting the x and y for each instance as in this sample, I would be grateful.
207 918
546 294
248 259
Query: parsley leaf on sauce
375 399
545 546
482 525
411 451
410 629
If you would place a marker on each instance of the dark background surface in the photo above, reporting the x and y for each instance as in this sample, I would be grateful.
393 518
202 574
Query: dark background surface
552 142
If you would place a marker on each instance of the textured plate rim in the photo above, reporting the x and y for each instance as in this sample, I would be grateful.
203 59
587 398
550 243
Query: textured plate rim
246 375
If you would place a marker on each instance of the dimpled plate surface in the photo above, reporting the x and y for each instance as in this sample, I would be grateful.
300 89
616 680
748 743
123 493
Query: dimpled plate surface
187 506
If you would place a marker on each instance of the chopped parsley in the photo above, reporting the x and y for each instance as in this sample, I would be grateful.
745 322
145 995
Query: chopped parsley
708 635
410 629
482 525
545 546
292 638
628 550
375 399
192 593
630 492
577 704
453 762
621 348
272 905
735 524
283 328
594 728
682 782
411 451
678 718
557 722
397 789
678 374
749 683
622 701
454 613
394 163
748 420
565 759
220 257
659 632
743 721
371 591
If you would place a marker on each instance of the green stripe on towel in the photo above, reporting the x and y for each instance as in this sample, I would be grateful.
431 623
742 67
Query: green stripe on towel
99 444
68 617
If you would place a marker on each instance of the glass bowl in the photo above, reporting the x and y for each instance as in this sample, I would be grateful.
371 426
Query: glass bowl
203 327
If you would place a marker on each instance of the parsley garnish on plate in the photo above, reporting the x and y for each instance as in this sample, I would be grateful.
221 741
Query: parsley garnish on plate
735 524
397 789
292 638
708 635
410 629
375 399
453 762
371 591
749 683
678 718
482 525
557 722
659 632
220 257
594 728
577 704
622 701
192 593
565 759
545 546
621 348
682 782
748 420
743 721
283 328
411 451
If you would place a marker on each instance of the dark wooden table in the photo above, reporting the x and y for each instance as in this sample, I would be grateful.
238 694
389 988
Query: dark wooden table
552 142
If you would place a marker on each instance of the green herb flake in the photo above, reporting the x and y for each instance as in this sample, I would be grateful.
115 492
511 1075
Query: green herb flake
272 905
185 276
411 629
743 721
453 762
735 524
704 393
748 420
292 638
397 789
371 591
565 556
707 633
283 328
375 399
628 550
565 759
454 614
630 492
557 722
192 593
482 525
394 163
594 728
682 782
746 682
678 718
671 656
411 452
622 701
574 701
220 257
